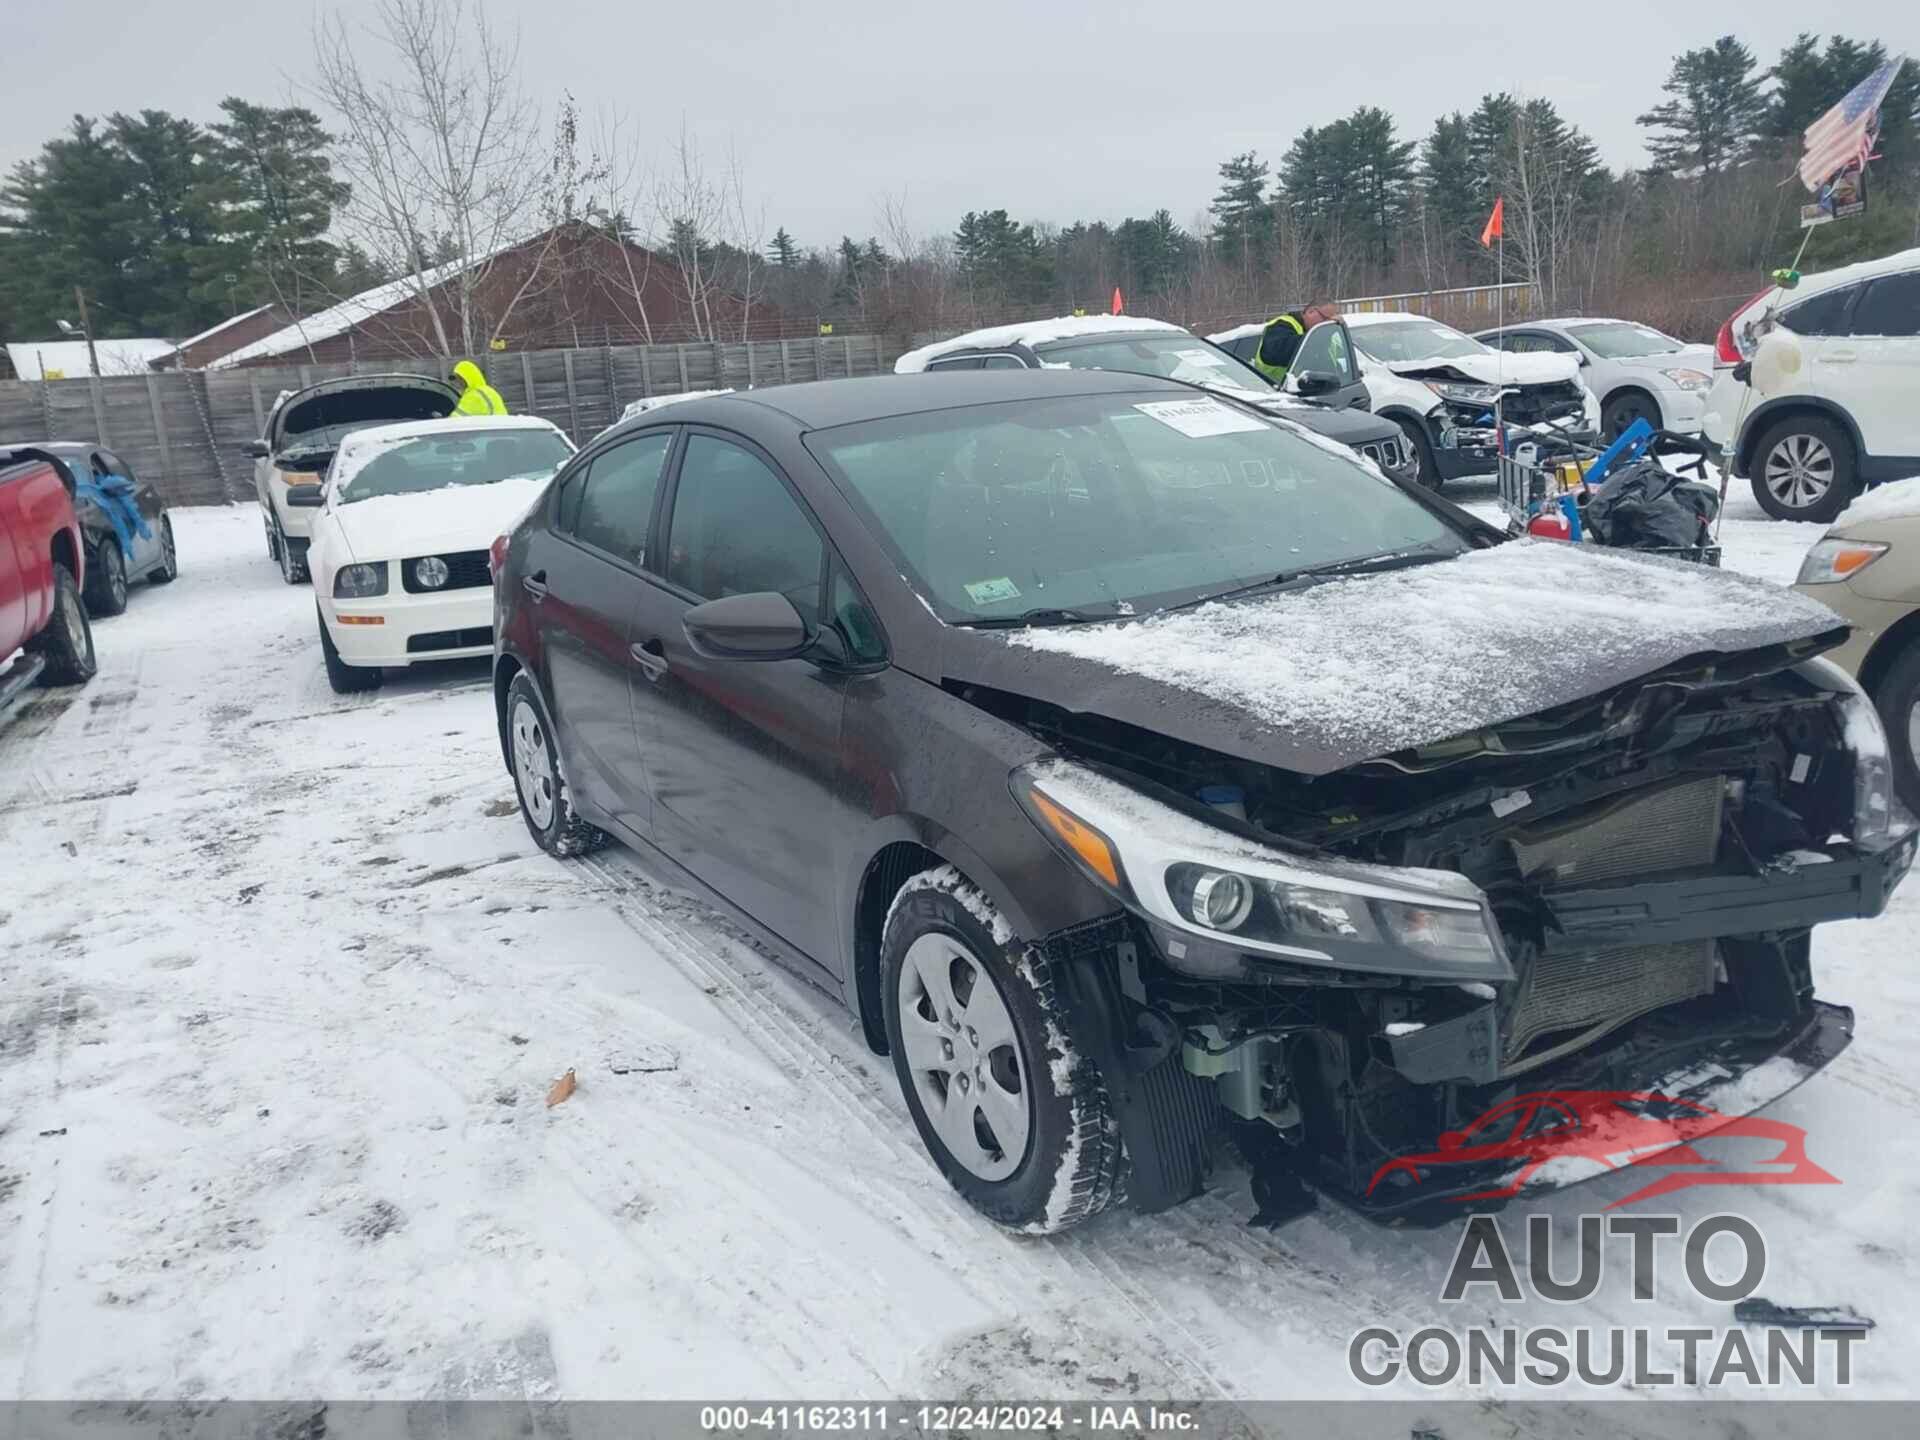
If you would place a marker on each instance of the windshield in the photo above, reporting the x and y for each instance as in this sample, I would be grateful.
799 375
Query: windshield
1178 357
1414 340
1104 504
1622 340
415 464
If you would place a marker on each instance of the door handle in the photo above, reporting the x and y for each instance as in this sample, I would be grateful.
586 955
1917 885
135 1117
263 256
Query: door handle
536 585
1842 357
651 657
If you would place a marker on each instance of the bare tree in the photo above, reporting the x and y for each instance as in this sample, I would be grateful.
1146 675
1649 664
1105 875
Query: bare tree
442 151
616 208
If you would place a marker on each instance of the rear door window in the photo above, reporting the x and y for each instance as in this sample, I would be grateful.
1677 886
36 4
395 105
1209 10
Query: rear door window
1824 314
737 530
615 506
959 362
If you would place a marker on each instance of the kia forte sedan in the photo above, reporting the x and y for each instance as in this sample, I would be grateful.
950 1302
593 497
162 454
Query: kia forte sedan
1143 773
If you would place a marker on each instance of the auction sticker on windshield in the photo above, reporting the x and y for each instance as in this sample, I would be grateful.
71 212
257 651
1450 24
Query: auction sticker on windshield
991 592
1197 419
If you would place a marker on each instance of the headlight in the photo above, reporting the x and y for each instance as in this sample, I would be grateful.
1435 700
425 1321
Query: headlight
1465 394
1184 874
1690 379
1831 560
431 572
359 582
1877 815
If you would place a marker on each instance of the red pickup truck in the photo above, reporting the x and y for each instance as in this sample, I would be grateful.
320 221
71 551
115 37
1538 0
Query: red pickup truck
41 560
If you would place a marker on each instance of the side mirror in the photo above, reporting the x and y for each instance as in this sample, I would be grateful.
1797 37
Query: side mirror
256 449
305 497
760 626
1318 382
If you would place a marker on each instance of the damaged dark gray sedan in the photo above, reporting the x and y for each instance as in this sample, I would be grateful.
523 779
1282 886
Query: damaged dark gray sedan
1144 775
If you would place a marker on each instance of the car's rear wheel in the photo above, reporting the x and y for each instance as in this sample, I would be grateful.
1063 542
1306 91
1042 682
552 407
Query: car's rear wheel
344 678
1017 1121
1625 408
169 566
546 803
66 642
1897 696
1421 466
107 580
1804 469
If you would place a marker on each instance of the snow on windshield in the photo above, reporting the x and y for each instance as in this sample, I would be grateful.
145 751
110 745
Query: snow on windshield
369 466
1378 663
1399 341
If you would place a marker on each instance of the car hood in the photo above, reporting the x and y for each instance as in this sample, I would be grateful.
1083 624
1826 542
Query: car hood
437 522
320 416
1690 357
1346 426
1488 369
1315 680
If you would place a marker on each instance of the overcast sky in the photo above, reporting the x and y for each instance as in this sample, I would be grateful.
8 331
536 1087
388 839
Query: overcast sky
1054 109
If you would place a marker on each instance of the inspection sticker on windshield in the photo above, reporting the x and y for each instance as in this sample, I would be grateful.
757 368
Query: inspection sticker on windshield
992 592
1199 418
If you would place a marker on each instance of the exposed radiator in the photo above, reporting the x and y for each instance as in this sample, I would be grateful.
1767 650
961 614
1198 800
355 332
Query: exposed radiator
1568 999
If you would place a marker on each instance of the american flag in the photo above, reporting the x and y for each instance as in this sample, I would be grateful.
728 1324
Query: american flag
1842 137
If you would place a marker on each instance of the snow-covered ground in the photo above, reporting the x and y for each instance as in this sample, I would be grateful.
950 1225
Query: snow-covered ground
283 986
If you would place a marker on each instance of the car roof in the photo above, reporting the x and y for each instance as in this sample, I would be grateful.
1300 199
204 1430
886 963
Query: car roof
451 425
53 447
1034 332
823 404
1363 318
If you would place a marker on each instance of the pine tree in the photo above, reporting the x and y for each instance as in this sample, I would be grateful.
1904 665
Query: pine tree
279 195
784 250
1713 114
1454 189
1243 220
1808 83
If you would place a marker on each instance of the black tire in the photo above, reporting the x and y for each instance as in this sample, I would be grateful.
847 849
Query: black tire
106 592
540 782
293 567
1623 408
1072 1166
273 539
1804 437
1897 697
1427 469
169 566
344 678
66 641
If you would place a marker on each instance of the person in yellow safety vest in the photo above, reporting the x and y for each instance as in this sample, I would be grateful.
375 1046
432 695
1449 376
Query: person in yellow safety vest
477 397
1280 341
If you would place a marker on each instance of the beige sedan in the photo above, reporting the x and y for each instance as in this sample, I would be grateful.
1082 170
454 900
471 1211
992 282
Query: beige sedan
1867 567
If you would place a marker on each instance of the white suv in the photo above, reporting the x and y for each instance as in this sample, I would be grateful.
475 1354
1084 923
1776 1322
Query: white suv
1834 407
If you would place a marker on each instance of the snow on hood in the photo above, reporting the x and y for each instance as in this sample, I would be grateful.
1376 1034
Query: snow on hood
1897 500
1319 679
1492 368
437 522
1031 332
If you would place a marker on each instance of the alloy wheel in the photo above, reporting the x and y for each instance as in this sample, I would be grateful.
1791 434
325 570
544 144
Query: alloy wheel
532 766
75 619
1800 471
1913 732
964 1056
169 557
116 574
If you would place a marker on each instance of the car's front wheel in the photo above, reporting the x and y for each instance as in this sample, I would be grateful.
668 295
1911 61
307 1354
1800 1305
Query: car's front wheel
344 678
1017 1121
169 566
1421 465
1803 469
546 803
1625 408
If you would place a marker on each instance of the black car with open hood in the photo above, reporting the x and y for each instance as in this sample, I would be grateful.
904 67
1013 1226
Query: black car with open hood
1145 774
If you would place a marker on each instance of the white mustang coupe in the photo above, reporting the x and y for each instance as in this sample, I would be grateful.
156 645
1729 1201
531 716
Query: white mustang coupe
405 518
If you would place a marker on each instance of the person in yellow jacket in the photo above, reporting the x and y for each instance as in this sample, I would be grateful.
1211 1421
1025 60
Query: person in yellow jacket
477 397
1280 342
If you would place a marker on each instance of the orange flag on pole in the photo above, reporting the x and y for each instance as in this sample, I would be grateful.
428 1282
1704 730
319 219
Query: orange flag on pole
1496 223
1117 301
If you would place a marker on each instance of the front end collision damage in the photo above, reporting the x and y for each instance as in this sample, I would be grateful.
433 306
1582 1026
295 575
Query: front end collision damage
1646 881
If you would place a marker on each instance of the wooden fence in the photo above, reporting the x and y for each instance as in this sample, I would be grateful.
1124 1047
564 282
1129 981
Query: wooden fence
183 429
